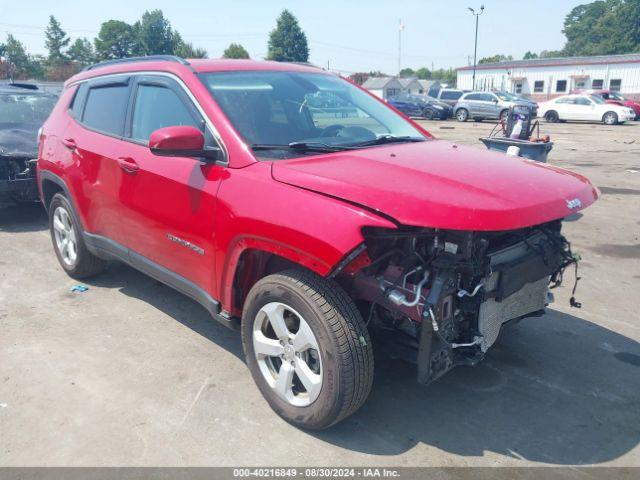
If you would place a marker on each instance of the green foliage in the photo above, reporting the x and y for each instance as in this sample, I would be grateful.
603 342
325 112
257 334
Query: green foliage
81 52
116 39
155 35
56 41
19 64
287 42
603 27
495 59
530 55
423 73
407 72
235 50
448 76
552 54
186 49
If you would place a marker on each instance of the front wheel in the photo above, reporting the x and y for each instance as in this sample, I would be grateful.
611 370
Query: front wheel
462 115
307 348
610 118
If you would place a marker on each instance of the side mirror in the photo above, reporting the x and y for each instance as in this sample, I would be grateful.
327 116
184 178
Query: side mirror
181 141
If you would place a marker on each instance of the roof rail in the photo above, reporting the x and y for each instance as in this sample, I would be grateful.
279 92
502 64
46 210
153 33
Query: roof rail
148 58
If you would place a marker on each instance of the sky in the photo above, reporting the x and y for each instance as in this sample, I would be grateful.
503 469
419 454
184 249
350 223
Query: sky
349 36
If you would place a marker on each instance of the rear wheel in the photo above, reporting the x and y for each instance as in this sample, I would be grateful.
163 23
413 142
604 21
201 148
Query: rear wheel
307 348
462 115
66 235
552 116
610 118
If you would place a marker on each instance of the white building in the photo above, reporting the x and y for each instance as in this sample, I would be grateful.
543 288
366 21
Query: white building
544 78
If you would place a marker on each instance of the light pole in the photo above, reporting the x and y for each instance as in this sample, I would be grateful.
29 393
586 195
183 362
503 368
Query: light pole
475 48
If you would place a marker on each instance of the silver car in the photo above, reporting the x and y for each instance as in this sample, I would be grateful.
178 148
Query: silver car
487 105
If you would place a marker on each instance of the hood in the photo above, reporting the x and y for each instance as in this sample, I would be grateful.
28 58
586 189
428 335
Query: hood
441 185
19 139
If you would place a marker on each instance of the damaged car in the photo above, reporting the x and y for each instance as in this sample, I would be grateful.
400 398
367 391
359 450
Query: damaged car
315 234
23 110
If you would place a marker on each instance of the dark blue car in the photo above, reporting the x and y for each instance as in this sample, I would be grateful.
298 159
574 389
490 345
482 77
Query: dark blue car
421 107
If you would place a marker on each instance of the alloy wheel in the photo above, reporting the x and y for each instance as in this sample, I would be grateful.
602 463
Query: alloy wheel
65 236
288 354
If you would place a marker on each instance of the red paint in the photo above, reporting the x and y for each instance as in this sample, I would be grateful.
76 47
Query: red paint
309 211
180 137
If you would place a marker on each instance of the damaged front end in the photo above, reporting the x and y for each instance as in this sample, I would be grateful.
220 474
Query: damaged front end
440 297
18 178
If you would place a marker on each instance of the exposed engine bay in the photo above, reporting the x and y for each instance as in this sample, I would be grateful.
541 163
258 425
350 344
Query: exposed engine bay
18 178
440 298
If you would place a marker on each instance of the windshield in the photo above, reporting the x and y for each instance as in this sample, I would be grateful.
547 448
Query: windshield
617 96
25 107
505 96
291 108
597 99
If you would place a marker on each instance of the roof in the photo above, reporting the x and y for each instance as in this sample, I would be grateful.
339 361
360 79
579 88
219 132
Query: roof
377 83
405 82
560 61
190 65
426 84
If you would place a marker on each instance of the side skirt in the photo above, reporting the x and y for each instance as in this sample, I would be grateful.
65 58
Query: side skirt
108 249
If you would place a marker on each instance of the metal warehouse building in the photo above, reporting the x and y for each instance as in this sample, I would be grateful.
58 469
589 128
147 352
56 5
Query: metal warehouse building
544 78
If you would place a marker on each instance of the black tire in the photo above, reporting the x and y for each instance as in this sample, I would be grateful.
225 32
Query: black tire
86 264
552 116
428 114
462 114
345 347
610 118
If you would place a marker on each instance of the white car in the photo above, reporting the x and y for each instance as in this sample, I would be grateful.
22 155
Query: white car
585 108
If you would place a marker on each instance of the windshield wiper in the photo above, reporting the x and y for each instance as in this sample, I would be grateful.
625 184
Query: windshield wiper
384 139
300 146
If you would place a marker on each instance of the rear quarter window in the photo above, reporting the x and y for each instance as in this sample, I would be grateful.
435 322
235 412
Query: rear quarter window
105 108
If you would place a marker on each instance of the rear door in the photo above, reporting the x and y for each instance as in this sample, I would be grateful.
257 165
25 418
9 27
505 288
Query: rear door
168 203
94 138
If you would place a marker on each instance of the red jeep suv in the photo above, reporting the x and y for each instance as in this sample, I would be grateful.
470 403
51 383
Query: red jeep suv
305 212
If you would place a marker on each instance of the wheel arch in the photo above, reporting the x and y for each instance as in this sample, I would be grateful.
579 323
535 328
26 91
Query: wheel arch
251 259
50 184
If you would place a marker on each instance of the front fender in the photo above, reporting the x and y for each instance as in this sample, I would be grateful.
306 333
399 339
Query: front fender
309 229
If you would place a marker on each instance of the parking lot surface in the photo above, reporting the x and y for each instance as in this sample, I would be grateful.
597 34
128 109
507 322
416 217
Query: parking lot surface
131 372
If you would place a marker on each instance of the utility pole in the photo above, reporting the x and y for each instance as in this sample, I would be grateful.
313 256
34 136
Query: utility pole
475 48
400 29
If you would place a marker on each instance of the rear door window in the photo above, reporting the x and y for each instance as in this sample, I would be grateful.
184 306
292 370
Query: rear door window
106 107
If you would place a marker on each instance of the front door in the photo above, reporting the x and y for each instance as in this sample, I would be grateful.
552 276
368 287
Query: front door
168 202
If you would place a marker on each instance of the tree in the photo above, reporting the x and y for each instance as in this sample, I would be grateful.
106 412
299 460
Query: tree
407 72
55 40
495 59
530 55
155 35
551 54
287 42
603 27
186 49
235 50
81 52
116 39
448 76
358 77
423 73
17 58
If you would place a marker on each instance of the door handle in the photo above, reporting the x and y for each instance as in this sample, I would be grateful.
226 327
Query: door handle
128 164
70 143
